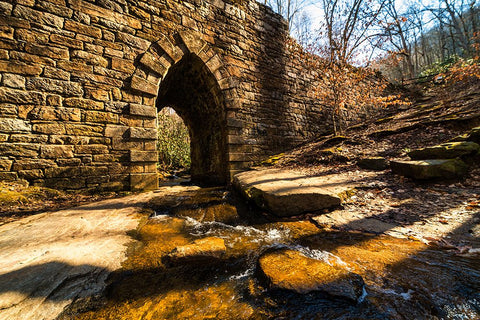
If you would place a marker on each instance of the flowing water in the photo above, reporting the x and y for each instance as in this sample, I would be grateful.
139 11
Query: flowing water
403 279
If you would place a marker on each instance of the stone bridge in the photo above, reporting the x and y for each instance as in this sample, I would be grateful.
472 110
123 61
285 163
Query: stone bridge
81 82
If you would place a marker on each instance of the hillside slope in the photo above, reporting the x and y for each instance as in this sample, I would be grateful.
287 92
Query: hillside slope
445 212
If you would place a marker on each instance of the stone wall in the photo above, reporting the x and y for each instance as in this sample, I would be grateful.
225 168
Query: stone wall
81 82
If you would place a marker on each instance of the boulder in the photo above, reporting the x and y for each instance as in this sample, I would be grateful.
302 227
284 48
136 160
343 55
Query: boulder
430 169
201 250
374 163
449 150
291 270
288 193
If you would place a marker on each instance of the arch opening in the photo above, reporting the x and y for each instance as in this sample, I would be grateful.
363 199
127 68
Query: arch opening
173 144
193 92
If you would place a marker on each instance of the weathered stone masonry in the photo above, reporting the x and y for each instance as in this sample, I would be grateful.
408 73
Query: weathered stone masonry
81 82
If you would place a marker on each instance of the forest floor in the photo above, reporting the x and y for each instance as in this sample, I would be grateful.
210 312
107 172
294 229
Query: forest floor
18 200
445 213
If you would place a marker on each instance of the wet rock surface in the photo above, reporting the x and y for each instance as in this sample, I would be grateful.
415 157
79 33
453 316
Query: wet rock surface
430 169
291 270
201 250
50 259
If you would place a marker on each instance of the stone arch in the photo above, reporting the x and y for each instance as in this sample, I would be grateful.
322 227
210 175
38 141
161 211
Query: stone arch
168 74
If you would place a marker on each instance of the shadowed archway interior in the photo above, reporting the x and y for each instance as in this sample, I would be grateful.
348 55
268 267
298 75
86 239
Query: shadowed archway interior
193 92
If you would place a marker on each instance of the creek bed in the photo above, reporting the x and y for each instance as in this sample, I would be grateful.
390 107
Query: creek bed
403 279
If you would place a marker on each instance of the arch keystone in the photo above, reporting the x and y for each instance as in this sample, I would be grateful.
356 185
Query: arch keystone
192 41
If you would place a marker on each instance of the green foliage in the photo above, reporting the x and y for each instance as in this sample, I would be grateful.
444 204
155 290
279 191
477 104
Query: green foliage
173 142
439 66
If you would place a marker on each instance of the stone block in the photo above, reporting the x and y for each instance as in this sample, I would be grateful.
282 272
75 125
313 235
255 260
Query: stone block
133 41
192 41
143 85
74 66
100 117
19 150
20 68
5 165
31 174
141 110
48 51
142 133
89 58
65 183
69 162
6 32
20 97
38 16
10 125
49 128
123 65
84 129
6 8
8 111
97 94
116 106
59 10
113 186
67 88
28 138
56 151
170 49
115 131
104 158
54 100
66 41
95 180
31 59
153 63
89 171
81 103
143 182
124 144
32 36
83 29
29 164
91 149
143 156
8 176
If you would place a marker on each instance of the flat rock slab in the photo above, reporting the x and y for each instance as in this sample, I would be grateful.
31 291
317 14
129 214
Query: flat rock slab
50 259
288 193
201 250
449 150
291 270
430 169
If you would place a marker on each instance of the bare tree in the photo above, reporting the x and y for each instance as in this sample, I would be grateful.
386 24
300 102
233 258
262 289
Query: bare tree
289 9
348 27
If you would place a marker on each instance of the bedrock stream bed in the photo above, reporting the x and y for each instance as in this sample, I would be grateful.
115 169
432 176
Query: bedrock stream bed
202 254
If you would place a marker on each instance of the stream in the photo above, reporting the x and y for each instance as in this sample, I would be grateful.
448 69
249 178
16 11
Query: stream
403 279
